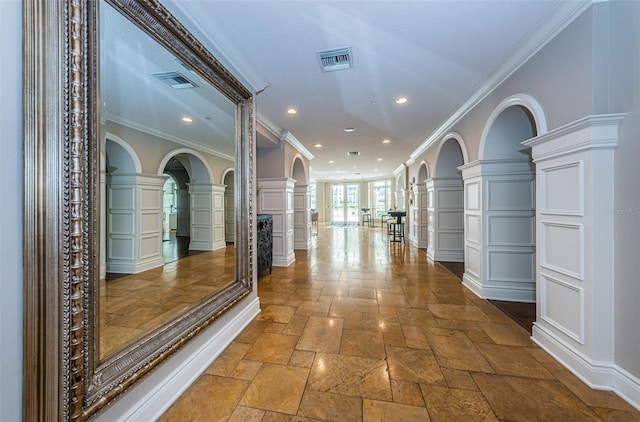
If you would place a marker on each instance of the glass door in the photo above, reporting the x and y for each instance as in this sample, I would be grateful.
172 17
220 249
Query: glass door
353 204
345 204
337 204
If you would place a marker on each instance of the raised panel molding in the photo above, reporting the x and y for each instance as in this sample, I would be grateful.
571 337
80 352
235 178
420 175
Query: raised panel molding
511 230
500 229
562 248
276 198
576 321
562 306
562 189
445 220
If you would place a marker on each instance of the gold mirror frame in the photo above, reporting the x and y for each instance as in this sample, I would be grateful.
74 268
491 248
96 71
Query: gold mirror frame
63 377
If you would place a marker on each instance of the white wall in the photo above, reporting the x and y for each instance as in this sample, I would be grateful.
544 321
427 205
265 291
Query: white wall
11 211
624 89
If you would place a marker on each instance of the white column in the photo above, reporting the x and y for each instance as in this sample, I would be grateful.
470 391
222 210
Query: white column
183 209
229 214
445 223
301 218
103 224
134 223
207 217
419 234
499 220
275 197
575 237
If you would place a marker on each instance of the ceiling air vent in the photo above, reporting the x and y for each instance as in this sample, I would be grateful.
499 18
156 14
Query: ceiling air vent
175 80
335 59
353 153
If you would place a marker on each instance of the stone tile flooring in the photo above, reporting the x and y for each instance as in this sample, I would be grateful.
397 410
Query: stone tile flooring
359 329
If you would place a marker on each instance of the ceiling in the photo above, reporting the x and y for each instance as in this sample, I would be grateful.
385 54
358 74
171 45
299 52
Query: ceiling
441 55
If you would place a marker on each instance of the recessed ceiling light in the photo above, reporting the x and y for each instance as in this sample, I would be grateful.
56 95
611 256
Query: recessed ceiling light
292 111
331 161
379 159
318 145
349 129
401 100
375 169
187 119
386 141
355 167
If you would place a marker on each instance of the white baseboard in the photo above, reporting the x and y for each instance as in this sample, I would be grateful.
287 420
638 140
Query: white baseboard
596 374
494 293
148 400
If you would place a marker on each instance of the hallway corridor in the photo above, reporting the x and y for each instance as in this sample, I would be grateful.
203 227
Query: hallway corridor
361 329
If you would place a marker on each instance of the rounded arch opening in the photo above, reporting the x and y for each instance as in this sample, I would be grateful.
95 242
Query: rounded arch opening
196 166
120 157
514 120
449 158
423 172
299 172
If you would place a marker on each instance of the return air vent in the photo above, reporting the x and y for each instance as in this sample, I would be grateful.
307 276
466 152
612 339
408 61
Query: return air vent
353 153
175 80
335 59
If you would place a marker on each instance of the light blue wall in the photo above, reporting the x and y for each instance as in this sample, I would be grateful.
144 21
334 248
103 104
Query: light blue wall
11 211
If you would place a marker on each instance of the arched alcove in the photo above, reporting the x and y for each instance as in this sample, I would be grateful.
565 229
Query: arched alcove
445 203
301 205
500 211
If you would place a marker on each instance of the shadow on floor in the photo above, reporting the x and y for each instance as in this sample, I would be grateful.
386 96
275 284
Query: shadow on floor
522 313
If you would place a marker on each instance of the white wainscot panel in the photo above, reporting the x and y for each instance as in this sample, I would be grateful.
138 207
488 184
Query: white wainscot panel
450 219
218 217
424 232
150 198
121 248
271 201
289 220
218 200
511 266
299 232
562 248
201 200
562 189
150 246
201 217
450 241
278 245
149 222
563 306
423 198
298 201
510 195
121 223
201 234
507 230
424 215
218 232
122 198
289 200
473 228
278 223
299 216
472 261
473 196
450 198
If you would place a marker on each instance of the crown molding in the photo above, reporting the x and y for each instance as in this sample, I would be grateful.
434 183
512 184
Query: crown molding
288 137
565 13
160 134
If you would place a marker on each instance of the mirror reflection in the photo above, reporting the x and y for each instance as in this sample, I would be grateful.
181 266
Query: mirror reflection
166 189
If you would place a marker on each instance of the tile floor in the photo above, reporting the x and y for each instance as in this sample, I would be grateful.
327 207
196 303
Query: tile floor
359 329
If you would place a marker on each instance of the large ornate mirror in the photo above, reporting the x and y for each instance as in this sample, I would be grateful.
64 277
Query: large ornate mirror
142 179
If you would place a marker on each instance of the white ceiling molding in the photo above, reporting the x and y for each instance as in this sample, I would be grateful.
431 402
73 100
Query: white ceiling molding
155 132
288 137
267 132
566 13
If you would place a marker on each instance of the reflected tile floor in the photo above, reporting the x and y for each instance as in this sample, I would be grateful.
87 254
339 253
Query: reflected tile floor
360 329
